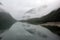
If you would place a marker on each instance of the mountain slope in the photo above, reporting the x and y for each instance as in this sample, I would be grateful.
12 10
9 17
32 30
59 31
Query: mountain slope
54 16
6 20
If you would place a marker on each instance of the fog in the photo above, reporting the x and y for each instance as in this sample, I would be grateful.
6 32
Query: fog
24 9
17 8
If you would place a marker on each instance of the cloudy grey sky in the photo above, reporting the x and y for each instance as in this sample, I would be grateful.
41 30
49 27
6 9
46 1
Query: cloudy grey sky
17 8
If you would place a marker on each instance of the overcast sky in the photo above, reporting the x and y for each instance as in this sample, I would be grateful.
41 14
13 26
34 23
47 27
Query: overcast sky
18 7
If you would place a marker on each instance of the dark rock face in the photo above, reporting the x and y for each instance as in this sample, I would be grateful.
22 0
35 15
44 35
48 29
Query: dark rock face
6 21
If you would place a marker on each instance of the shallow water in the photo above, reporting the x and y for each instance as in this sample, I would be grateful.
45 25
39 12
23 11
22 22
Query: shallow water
25 31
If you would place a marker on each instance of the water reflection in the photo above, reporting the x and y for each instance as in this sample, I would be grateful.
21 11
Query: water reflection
25 31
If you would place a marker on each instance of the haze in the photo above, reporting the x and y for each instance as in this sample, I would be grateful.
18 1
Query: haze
17 8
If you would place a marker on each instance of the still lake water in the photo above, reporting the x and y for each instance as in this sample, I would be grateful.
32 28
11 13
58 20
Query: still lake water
25 31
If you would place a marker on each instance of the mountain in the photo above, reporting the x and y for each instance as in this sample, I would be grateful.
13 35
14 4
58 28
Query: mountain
6 20
51 18
54 16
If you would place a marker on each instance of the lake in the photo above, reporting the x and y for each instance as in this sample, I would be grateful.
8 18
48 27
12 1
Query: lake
26 31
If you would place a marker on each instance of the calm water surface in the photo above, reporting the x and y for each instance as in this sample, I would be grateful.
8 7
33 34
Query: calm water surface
25 31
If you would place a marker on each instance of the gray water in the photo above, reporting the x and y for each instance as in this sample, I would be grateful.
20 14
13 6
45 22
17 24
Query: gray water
25 31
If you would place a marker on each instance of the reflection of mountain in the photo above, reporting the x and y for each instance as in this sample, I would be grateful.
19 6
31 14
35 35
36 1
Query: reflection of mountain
6 20
25 31
54 16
